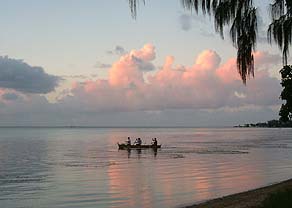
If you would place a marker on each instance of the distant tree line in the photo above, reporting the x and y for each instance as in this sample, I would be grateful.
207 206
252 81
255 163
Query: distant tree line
286 108
268 124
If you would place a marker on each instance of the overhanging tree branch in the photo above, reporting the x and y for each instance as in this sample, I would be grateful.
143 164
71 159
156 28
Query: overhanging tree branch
242 16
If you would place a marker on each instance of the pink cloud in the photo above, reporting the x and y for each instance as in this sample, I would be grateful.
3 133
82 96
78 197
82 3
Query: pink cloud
265 59
207 84
227 72
208 60
128 70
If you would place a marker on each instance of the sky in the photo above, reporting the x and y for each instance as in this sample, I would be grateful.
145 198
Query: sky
90 63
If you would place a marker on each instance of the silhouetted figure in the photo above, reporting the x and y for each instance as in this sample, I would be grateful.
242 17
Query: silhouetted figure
138 141
129 141
154 142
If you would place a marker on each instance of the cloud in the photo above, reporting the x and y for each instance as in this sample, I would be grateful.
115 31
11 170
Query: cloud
143 65
10 96
18 75
207 84
128 71
38 112
118 50
79 76
199 22
206 92
185 22
102 65
265 59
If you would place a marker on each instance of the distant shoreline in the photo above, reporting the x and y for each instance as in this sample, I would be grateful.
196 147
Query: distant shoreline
141 127
268 124
252 198
263 127
109 127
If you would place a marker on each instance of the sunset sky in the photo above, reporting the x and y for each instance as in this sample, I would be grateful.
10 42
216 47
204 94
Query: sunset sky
90 63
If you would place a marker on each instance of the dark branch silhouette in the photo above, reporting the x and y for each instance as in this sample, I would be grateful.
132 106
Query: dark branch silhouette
133 6
286 108
242 16
280 28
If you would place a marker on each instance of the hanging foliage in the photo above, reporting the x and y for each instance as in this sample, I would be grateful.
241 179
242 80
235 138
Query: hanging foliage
241 15
286 95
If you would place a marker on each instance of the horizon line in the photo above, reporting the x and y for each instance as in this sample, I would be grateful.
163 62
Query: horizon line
100 127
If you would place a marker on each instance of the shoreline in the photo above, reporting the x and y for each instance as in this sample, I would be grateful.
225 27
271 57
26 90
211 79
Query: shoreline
252 198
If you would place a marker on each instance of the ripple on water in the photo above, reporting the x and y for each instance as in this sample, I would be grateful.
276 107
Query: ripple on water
83 168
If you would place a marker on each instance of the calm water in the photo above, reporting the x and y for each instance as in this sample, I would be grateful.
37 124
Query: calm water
83 167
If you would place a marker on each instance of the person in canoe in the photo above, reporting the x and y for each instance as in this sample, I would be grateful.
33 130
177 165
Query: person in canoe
128 142
154 142
138 141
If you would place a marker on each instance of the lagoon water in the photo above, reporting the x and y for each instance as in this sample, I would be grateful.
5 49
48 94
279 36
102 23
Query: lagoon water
82 167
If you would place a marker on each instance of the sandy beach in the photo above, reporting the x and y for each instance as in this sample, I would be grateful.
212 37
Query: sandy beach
250 199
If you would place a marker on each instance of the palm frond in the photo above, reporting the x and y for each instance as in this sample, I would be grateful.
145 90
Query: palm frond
242 16
133 4
243 19
280 29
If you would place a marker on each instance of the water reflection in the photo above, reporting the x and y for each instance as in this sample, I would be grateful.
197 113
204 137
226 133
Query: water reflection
138 152
84 168
155 150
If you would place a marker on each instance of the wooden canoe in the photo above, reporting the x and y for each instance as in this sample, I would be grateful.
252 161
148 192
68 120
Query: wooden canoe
143 146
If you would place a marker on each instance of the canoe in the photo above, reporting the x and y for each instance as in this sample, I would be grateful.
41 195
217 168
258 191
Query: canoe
143 146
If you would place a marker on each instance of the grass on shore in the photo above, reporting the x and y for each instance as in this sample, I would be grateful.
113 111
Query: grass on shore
281 199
